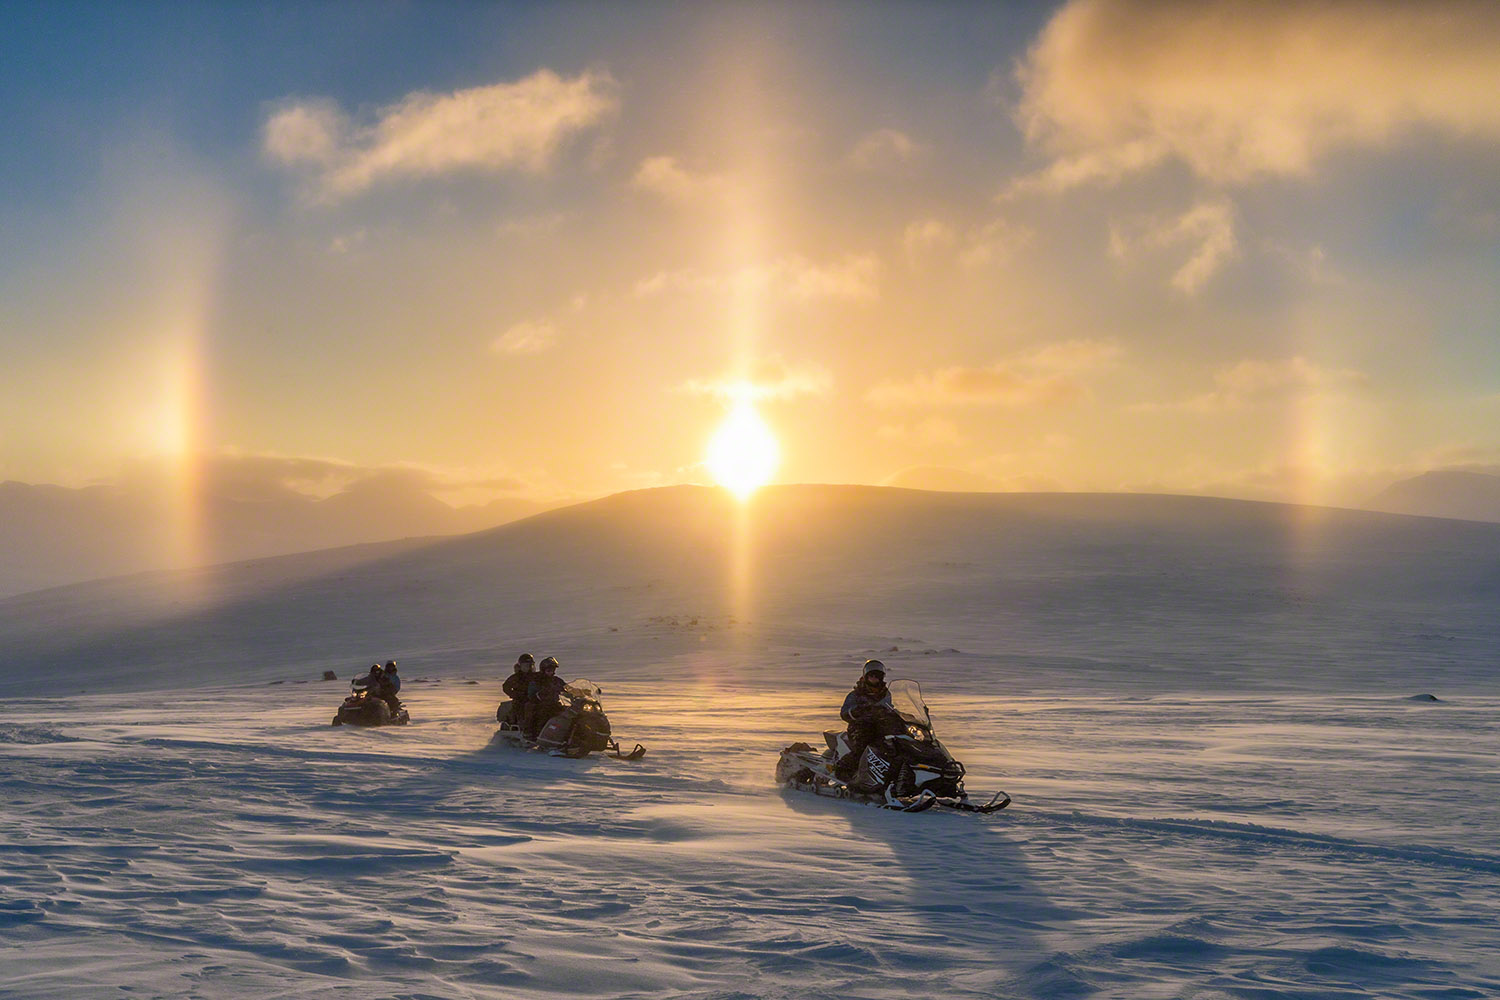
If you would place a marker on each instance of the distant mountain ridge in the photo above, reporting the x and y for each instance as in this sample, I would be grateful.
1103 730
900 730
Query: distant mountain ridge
1190 590
54 535
1468 496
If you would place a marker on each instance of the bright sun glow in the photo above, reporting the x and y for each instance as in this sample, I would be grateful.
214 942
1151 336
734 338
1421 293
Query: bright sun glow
743 453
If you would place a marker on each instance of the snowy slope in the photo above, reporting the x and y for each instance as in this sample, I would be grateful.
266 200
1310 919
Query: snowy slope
1133 590
1472 496
1224 787
52 536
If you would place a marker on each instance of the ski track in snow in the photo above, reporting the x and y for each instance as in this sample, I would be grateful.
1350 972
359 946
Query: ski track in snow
230 843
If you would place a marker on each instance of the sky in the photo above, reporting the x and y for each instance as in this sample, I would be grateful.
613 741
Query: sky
544 250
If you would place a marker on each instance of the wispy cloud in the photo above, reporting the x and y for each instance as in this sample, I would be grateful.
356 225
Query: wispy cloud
1251 382
923 237
886 149
1238 90
769 378
236 474
994 242
668 179
928 434
795 278
526 337
518 125
1050 375
984 245
1207 227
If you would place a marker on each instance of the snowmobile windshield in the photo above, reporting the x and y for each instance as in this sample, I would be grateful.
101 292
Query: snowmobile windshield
906 699
587 690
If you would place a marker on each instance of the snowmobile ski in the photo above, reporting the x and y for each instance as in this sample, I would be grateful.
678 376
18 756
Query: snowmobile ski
997 802
920 802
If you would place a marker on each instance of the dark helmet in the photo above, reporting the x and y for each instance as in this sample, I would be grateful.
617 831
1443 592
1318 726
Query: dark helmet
390 666
526 662
549 665
376 668
875 668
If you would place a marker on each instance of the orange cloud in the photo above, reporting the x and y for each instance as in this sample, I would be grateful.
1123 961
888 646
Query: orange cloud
666 178
1238 90
886 149
1251 381
1050 375
1207 226
526 337
794 278
931 433
769 378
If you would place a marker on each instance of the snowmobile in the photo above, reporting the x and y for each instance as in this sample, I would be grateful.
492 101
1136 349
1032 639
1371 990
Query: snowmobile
365 708
904 767
577 730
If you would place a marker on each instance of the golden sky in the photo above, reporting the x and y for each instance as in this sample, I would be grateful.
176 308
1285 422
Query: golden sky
543 250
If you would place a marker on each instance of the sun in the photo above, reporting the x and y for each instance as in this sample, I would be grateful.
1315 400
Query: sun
743 453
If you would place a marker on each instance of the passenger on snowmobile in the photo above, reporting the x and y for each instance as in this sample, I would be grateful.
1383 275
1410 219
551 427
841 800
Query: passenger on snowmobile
542 695
860 711
391 687
515 688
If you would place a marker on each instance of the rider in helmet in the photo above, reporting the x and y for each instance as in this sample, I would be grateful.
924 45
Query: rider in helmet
374 680
860 707
542 695
391 687
515 686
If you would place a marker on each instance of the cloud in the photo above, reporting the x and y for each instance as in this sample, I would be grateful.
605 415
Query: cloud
924 236
503 126
1243 90
664 177
852 278
1252 382
533 225
885 149
769 378
525 337
1208 227
1051 375
238 475
928 434
995 242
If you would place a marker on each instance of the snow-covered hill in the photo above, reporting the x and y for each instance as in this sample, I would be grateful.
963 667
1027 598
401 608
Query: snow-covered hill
52 536
1472 496
1148 591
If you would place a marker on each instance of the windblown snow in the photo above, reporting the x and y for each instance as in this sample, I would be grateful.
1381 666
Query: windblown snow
1205 710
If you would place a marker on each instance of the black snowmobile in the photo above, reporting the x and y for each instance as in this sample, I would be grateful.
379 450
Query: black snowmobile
364 707
577 730
904 767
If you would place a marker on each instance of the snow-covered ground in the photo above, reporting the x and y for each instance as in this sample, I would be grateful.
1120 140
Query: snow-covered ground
1223 784
231 843
228 842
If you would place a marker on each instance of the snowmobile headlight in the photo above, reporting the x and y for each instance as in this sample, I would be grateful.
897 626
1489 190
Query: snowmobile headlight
916 732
